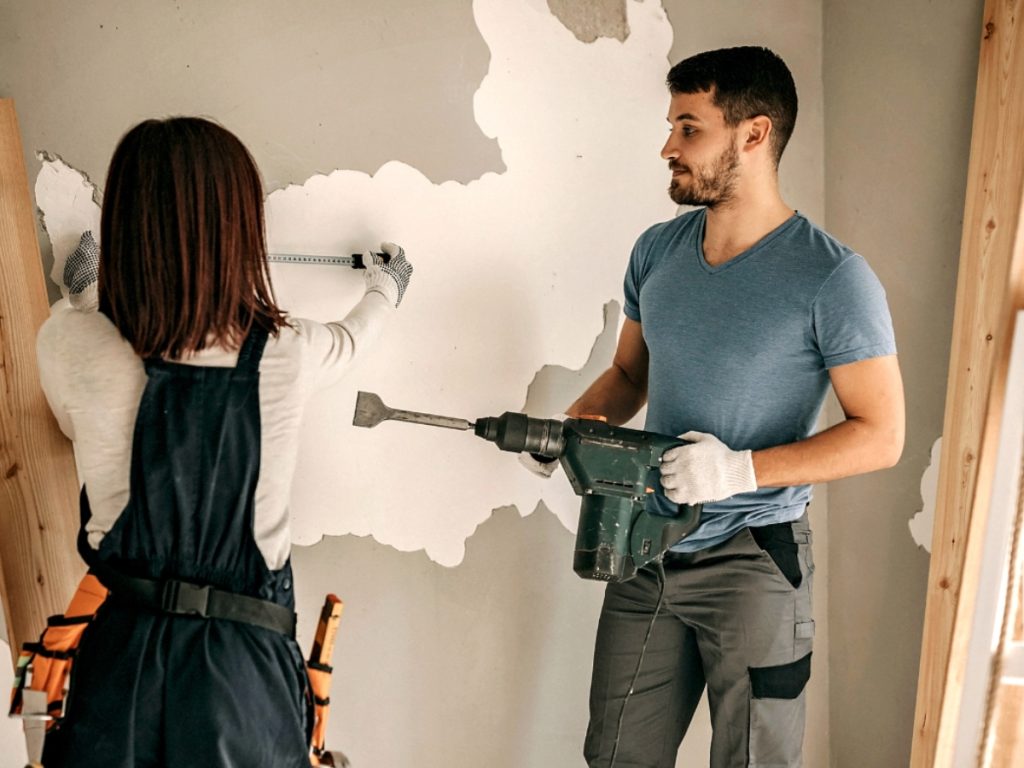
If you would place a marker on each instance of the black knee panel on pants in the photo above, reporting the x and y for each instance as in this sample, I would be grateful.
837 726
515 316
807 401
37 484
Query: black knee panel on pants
786 681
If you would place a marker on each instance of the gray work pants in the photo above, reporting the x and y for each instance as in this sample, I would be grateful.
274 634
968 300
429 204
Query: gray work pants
735 618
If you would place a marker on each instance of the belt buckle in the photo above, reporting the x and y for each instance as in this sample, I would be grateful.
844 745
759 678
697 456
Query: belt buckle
184 598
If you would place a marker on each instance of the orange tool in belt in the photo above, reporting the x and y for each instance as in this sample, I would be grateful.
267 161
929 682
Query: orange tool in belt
44 667
319 670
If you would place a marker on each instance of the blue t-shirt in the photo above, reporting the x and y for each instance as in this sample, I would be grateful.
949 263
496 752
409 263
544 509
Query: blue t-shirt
742 349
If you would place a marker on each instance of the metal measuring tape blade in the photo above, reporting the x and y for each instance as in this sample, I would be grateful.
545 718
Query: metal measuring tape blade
355 261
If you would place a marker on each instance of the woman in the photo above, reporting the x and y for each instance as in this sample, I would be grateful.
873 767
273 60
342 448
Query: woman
184 393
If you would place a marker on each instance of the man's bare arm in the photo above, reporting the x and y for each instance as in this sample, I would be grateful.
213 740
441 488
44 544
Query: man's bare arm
871 437
620 391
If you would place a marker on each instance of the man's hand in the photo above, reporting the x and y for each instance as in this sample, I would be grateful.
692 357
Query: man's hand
389 279
706 470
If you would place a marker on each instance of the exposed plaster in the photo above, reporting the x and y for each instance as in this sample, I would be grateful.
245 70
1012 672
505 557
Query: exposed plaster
923 523
555 387
590 19
67 205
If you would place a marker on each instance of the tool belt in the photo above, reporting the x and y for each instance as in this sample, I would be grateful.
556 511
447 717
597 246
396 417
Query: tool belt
182 598
44 668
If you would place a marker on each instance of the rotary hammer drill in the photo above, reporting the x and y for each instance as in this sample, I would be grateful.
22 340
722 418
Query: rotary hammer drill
614 469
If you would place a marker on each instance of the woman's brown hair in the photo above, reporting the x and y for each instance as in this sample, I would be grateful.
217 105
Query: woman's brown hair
182 246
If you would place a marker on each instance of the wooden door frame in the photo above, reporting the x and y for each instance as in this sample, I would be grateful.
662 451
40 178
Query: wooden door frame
989 291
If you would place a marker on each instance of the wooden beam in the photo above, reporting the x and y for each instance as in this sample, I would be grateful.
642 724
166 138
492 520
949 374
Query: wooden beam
38 481
989 290
1008 740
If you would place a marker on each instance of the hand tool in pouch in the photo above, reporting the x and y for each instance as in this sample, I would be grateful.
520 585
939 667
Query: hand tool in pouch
319 670
43 672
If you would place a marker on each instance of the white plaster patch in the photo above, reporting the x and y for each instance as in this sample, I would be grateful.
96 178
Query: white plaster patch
512 272
66 199
922 524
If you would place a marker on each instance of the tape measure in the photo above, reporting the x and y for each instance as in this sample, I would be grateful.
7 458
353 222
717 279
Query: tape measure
355 261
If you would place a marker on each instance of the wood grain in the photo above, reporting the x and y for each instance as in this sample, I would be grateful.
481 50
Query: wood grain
989 290
38 482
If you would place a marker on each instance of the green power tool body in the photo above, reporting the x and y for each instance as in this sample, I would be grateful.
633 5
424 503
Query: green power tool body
614 469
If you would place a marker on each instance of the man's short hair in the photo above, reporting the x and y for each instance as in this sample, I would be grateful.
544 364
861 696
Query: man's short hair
743 82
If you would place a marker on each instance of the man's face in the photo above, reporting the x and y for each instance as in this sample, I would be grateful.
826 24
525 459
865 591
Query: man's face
701 152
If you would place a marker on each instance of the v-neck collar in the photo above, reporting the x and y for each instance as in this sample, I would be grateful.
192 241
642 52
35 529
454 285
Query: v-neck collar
744 255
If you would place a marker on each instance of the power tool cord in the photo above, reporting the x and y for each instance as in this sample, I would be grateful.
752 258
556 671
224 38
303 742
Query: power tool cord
639 662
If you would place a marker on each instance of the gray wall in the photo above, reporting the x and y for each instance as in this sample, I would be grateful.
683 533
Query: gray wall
899 89
309 87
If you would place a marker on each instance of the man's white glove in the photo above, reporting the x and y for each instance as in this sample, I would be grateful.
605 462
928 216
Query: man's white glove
706 470
546 468
390 279
81 273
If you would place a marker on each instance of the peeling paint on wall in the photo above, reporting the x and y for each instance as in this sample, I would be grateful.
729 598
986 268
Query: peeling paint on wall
68 206
512 272
591 19
923 523
555 387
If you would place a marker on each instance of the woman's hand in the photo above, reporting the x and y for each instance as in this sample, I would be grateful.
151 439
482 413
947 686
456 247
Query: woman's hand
391 279
81 273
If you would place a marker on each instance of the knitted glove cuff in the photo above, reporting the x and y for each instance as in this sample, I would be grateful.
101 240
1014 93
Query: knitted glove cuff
380 282
738 471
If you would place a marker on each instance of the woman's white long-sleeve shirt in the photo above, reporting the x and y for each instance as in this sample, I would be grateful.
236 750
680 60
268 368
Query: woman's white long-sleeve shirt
94 381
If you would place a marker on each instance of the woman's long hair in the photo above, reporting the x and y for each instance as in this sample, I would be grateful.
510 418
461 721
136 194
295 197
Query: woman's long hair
182 245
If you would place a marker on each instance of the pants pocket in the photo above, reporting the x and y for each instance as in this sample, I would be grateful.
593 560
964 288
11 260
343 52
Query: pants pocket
778 542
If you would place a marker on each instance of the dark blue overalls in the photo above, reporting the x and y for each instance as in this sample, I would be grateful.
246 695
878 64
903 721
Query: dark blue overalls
153 685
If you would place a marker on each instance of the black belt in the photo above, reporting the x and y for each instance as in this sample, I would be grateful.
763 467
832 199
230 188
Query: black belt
182 598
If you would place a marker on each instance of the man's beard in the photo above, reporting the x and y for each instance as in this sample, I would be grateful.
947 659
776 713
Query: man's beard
708 186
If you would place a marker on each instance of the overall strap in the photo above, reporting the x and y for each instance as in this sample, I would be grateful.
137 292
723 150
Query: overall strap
249 355
252 350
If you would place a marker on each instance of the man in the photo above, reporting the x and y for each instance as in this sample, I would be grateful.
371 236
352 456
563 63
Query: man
738 317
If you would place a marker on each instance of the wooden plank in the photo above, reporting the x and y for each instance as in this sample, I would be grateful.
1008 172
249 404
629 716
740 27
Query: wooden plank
38 482
1018 622
1008 739
989 289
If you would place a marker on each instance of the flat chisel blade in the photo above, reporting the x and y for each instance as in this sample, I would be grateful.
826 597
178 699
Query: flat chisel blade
371 411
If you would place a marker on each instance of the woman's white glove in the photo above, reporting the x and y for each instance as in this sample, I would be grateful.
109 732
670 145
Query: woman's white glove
706 470
546 468
81 273
390 279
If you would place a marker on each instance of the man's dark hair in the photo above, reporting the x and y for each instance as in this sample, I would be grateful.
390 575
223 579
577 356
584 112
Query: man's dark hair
743 82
